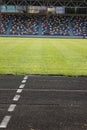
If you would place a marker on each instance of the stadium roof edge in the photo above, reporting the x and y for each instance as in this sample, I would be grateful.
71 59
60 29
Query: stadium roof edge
74 3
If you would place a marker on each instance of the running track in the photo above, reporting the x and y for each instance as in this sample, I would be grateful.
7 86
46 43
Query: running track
43 103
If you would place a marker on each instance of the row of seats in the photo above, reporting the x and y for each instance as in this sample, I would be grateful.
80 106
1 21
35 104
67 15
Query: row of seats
24 26
79 26
55 26
4 23
51 25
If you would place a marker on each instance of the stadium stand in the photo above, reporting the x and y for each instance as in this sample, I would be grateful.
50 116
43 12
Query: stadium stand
79 25
43 18
5 19
13 24
22 25
55 25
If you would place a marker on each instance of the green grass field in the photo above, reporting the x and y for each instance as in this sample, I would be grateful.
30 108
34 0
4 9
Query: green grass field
20 56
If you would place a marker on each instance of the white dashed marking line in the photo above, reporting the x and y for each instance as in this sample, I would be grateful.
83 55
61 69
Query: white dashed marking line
26 77
22 86
11 108
5 121
16 97
19 90
24 81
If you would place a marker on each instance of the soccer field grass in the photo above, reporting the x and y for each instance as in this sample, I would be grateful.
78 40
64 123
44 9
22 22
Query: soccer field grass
20 56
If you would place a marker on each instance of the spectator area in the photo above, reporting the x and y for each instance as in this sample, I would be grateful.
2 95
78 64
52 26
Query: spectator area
14 24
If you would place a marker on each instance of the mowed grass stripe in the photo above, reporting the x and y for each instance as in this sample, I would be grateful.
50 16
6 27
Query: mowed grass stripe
20 56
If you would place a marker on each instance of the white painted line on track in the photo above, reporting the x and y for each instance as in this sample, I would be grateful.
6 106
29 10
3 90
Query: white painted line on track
19 90
5 121
56 90
11 108
22 86
16 97
24 81
26 77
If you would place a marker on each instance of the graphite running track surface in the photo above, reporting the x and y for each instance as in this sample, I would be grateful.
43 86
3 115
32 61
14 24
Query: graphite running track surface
43 103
